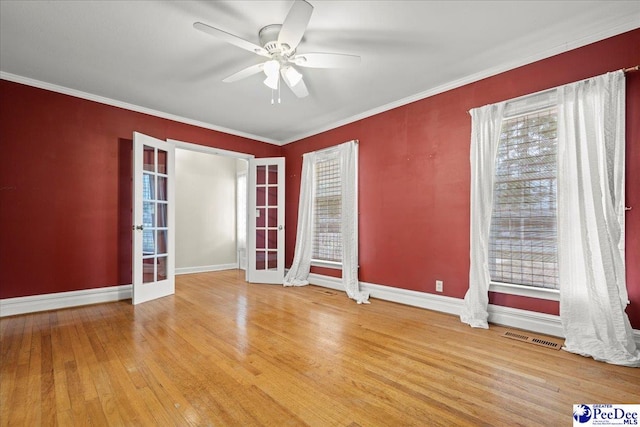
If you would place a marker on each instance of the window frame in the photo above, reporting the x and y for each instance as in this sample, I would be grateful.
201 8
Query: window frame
318 262
521 107
324 155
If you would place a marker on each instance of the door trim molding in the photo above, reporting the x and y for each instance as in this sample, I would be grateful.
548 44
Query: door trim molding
182 145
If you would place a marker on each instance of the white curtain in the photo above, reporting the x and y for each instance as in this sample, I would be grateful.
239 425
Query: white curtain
590 214
349 174
299 272
485 135
593 293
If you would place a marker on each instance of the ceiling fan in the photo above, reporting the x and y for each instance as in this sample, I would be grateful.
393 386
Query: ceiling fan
279 44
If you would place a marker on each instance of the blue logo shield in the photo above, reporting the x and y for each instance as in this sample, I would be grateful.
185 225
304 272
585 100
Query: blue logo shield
582 413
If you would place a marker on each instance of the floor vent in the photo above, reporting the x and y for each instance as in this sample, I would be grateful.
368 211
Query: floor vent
532 340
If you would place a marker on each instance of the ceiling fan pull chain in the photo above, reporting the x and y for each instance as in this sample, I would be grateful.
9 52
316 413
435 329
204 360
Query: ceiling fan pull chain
272 101
278 91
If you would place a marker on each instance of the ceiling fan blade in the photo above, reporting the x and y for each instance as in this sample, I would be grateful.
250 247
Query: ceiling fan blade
244 73
326 60
299 89
295 24
230 38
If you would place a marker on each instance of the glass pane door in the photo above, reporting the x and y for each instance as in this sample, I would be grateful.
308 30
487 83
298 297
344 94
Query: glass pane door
154 215
266 221
153 218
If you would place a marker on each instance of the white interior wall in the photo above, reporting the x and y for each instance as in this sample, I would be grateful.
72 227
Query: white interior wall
205 211
242 167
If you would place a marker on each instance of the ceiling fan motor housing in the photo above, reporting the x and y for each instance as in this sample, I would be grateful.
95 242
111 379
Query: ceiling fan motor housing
269 41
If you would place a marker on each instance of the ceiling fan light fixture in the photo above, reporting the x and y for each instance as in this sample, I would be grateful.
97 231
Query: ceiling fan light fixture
272 81
292 76
271 68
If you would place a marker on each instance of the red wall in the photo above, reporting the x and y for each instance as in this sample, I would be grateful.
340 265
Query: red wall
65 180
414 174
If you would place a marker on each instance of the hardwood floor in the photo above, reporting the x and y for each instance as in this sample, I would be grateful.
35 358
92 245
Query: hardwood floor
225 352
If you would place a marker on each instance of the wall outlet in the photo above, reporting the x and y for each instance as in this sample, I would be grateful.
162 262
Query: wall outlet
439 285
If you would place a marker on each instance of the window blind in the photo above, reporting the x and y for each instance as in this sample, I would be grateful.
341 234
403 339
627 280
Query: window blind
523 233
327 241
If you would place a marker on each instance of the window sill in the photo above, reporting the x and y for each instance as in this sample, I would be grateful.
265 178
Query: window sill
525 291
326 264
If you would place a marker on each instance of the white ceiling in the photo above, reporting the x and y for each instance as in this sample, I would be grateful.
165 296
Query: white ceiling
146 55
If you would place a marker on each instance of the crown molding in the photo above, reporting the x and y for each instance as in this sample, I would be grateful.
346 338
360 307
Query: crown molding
631 23
127 106
628 24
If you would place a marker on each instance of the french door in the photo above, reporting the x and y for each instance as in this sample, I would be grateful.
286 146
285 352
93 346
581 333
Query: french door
265 221
153 218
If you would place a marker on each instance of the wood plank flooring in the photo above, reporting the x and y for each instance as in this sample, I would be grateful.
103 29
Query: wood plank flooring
223 352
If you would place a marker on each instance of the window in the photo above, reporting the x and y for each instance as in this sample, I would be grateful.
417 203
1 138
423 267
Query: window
327 213
327 234
523 233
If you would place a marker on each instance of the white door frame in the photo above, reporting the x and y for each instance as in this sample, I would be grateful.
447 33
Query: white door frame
182 145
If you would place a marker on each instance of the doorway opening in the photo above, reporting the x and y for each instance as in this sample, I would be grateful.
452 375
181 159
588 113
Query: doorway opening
211 208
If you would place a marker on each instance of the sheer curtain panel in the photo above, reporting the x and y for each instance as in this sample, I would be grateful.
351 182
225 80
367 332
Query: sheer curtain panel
590 214
486 124
349 169
591 160
301 266
298 274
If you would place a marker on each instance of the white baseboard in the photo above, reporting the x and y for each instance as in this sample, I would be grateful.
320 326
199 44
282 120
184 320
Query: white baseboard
205 268
506 316
58 300
403 296
34 303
